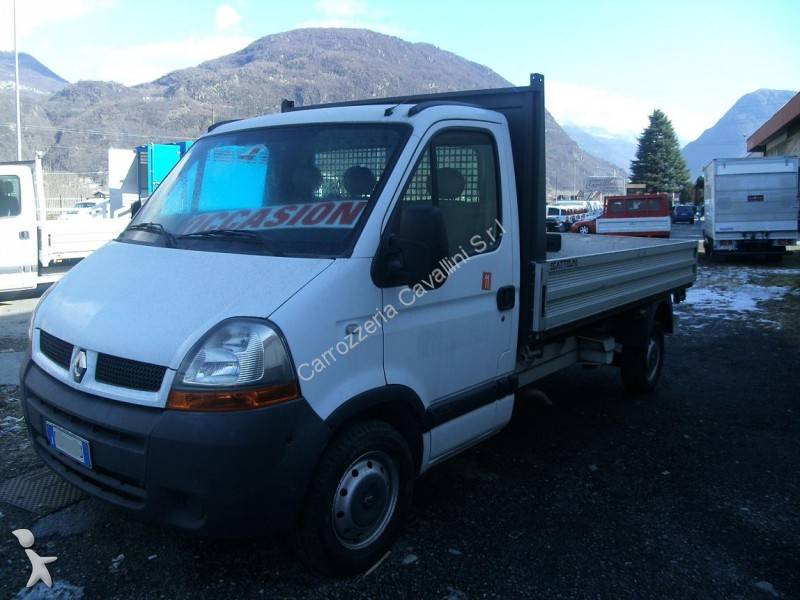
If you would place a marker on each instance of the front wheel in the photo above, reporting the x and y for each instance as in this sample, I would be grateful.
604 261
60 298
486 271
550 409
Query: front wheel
641 365
583 229
361 491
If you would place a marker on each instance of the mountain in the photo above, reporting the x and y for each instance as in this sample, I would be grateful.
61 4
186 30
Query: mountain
33 75
728 137
308 66
619 150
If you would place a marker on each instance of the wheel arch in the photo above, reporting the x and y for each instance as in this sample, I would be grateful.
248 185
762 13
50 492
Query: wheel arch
663 315
397 405
632 328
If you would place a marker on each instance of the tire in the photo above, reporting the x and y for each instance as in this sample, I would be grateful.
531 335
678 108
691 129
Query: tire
359 496
641 366
583 229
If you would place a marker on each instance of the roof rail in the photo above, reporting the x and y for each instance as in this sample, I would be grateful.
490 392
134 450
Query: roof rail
419 107
213 126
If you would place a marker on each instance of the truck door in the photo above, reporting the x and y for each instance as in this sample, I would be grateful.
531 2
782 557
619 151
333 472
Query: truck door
452 343
18 258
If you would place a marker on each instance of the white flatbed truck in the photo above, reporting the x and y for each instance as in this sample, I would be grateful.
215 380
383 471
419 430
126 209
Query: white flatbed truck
319 305
752 206
33 249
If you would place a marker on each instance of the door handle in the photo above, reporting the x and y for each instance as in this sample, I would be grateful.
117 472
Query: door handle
24 235
506 297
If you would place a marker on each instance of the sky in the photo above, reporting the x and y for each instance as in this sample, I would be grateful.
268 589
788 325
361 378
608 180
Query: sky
607 64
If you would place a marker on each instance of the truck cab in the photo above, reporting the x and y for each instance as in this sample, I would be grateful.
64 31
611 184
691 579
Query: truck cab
317 306
37 249
18 261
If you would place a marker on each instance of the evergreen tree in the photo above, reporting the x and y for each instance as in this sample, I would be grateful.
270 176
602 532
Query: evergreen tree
659 163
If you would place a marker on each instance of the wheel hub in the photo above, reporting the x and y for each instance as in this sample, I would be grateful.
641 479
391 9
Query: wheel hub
365 499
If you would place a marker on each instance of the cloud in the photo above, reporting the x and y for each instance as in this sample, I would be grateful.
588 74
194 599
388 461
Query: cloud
618 114
144 62
226 17
42 13
355 14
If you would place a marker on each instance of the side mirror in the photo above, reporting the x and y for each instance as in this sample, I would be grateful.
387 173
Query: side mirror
136 205
411 248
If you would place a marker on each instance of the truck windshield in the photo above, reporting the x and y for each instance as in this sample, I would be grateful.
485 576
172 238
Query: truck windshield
297 191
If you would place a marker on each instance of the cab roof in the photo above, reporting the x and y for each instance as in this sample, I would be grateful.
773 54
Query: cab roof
368 113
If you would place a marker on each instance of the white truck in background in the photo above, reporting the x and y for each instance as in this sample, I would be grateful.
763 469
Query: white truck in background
752 206
33 248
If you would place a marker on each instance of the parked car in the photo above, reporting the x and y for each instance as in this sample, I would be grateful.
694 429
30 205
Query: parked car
85 208
585 226
558 218
683 213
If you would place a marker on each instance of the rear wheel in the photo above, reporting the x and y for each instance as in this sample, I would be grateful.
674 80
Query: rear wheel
583 229
641 366
357 500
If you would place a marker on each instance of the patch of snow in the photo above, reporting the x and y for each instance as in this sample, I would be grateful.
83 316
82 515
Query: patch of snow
61 590
766 586
731 299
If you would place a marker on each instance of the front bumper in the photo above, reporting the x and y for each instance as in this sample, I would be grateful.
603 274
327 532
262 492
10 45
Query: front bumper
219 474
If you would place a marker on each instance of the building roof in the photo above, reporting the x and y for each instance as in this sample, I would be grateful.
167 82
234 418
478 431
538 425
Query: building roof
785 116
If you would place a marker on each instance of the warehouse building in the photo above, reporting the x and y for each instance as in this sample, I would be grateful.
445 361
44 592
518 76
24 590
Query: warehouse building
780 135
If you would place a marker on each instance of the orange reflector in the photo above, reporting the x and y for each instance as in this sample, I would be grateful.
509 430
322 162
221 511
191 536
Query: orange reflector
222 400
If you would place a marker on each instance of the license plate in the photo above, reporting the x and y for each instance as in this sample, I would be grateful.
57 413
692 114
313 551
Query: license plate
68 443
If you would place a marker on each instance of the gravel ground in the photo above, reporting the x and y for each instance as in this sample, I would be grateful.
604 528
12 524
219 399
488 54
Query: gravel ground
693 492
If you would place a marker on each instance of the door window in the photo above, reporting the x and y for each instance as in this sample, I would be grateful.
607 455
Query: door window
458 174
10 205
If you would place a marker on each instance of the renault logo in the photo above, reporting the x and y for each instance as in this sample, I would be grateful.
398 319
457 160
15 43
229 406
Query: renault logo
78 366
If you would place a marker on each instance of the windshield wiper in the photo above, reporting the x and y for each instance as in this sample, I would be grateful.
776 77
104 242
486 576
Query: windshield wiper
153 227
244 235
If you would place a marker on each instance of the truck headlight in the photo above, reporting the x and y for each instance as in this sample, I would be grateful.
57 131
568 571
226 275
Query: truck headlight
241 363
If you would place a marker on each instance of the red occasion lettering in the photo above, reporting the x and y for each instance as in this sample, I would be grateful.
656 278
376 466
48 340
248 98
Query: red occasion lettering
255 221
346 213
318 214
299 214
226 224
280 216
195 224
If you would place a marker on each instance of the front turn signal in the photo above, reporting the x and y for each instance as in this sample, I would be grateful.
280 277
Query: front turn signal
229 400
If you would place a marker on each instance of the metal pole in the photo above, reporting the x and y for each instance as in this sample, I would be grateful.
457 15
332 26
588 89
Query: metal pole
16 79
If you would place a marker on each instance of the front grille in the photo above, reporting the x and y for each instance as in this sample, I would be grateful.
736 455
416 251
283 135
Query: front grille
57 350
127 373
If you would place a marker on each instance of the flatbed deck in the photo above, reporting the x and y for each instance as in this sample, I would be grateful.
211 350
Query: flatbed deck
592 274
